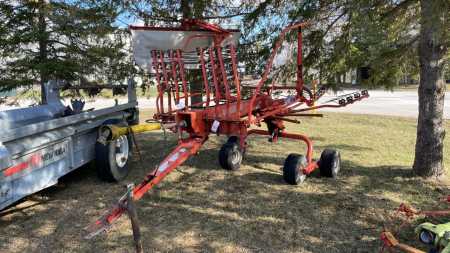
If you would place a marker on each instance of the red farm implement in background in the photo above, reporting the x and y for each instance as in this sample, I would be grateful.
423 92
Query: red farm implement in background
435 235
169 54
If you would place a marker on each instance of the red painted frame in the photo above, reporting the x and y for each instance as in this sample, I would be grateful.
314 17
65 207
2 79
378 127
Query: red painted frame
234 116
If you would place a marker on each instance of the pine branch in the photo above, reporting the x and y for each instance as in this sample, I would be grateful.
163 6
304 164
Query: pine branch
402 5
226 16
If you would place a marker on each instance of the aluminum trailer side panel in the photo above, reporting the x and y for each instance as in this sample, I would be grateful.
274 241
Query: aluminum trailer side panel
39 179
35 153
23 131
40 167
37 140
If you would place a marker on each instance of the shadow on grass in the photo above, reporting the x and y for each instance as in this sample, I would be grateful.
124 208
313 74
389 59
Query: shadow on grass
200 207
22 210
344 147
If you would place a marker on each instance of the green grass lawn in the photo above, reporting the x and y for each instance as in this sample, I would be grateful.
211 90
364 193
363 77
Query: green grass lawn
200 207
152 91
104 94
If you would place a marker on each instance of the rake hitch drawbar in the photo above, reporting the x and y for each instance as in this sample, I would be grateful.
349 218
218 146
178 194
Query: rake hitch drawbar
223 111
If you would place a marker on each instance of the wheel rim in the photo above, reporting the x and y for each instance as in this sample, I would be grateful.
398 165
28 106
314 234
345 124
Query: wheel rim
335 167
235 157
122 157
300 177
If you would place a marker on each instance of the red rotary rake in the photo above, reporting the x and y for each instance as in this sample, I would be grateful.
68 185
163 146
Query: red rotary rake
223 110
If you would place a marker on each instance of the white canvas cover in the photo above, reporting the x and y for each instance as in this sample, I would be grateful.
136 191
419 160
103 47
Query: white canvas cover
145 40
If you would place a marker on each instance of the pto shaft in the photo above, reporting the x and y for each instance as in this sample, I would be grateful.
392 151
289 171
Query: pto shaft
109 133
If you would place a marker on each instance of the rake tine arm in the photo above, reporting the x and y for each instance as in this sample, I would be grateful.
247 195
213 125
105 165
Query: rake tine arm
287 120
355 94
445 200
391 242
336 106
261 82
434 212
407 209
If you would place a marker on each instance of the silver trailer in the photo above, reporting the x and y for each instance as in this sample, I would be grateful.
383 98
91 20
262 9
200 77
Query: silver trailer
40 144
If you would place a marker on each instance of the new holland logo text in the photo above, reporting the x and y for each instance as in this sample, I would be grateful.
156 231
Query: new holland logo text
50 155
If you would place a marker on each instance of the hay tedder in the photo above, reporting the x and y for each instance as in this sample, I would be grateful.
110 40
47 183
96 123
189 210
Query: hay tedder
171 54
435 236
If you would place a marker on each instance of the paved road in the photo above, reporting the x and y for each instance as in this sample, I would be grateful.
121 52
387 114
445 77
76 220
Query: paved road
398 103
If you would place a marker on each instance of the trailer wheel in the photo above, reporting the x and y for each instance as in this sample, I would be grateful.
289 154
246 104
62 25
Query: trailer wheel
230 156
291 173
235 139
113 160
330 162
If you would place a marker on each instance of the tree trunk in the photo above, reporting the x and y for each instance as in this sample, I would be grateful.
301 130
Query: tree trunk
185 8
428 160
42 49
194 86
358 74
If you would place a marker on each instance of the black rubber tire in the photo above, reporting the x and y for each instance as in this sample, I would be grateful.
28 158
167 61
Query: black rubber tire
291 173
230 156
330 162
235 139
106 162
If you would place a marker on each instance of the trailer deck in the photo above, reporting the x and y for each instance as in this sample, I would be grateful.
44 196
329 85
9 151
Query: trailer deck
40 144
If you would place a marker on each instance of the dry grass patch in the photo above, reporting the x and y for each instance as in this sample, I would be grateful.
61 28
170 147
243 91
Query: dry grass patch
200 207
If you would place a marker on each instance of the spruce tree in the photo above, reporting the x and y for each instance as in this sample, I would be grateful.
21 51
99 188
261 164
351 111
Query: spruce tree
388 36
69 40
